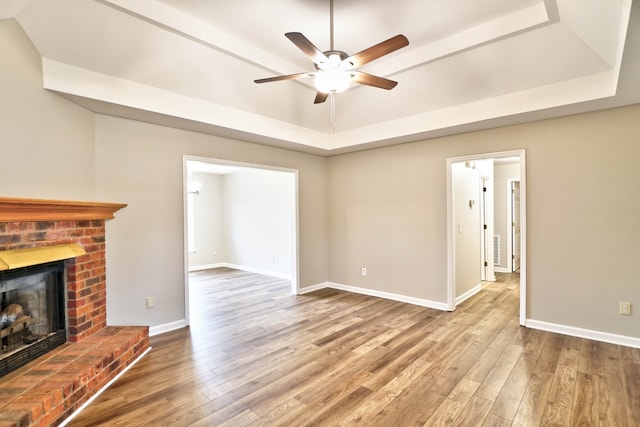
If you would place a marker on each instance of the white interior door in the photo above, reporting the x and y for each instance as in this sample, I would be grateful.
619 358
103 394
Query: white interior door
515 225
486 222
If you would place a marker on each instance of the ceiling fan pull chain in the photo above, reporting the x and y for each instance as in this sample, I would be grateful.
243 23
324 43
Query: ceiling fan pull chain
333 111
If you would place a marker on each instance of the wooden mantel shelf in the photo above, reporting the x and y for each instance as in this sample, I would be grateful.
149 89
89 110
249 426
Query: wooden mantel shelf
14 210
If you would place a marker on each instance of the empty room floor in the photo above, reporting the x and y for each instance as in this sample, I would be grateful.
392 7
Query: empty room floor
255 355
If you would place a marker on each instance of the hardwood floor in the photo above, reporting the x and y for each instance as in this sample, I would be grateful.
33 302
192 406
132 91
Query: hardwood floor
257 356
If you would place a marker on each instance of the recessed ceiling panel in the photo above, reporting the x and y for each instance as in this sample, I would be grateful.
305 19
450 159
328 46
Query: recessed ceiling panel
197 60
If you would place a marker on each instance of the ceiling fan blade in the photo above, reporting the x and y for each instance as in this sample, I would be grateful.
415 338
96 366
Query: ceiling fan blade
371 80
307 47
376 51
285 77
320 97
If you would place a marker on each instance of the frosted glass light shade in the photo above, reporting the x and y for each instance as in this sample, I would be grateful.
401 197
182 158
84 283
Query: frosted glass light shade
329 81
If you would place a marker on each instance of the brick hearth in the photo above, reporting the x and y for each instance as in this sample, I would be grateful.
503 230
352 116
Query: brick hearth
49 389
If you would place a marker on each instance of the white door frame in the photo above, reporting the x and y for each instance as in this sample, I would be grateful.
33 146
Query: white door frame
451 266
295 270
510 251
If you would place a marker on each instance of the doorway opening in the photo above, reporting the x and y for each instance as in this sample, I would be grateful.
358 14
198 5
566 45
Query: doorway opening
481 212
241 216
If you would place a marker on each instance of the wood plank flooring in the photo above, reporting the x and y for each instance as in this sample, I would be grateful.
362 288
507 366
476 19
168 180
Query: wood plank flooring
257 356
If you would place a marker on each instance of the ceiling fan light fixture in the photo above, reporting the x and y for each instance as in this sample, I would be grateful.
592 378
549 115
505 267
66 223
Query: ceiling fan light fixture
335 69
332 81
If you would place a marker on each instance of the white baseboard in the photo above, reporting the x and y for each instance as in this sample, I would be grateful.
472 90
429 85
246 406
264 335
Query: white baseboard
391 296
312 288
166 327
285 276
584 333
501 270
206 266
471 292
529 323
279 275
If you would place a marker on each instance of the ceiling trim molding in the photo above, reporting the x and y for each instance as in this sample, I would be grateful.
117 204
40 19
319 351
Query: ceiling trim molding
76 81
505 26
170 19
72 80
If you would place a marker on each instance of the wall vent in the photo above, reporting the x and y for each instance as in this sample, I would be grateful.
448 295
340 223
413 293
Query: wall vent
496 249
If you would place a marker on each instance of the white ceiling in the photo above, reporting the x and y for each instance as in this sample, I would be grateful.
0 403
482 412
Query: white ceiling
470 65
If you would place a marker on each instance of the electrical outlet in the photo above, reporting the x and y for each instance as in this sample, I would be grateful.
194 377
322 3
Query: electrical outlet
625 308
150 303
364 271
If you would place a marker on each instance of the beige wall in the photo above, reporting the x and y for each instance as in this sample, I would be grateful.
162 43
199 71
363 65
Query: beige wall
387 209
465 186
259 207
208 220
383 209
41 134
58 150
141 164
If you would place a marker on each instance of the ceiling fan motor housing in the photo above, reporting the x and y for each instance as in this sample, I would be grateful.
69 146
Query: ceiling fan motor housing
332 54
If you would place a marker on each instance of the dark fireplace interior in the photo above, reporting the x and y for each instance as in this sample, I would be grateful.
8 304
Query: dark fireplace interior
32 319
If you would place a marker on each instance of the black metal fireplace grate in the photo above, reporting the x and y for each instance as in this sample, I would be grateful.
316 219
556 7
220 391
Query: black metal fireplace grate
31 352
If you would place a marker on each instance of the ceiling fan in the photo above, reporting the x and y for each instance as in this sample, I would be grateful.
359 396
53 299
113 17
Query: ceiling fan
335 70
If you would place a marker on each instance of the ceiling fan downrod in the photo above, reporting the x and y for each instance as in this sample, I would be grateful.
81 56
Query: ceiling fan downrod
331 47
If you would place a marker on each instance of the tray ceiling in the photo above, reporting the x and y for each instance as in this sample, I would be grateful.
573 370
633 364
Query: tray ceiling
470 65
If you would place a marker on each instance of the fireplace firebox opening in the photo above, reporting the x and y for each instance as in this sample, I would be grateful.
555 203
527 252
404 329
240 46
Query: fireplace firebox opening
32 316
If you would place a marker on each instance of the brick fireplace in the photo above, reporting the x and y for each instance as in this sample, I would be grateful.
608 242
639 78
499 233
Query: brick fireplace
52 387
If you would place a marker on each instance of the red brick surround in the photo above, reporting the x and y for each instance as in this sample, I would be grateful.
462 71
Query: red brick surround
51 388
86 274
